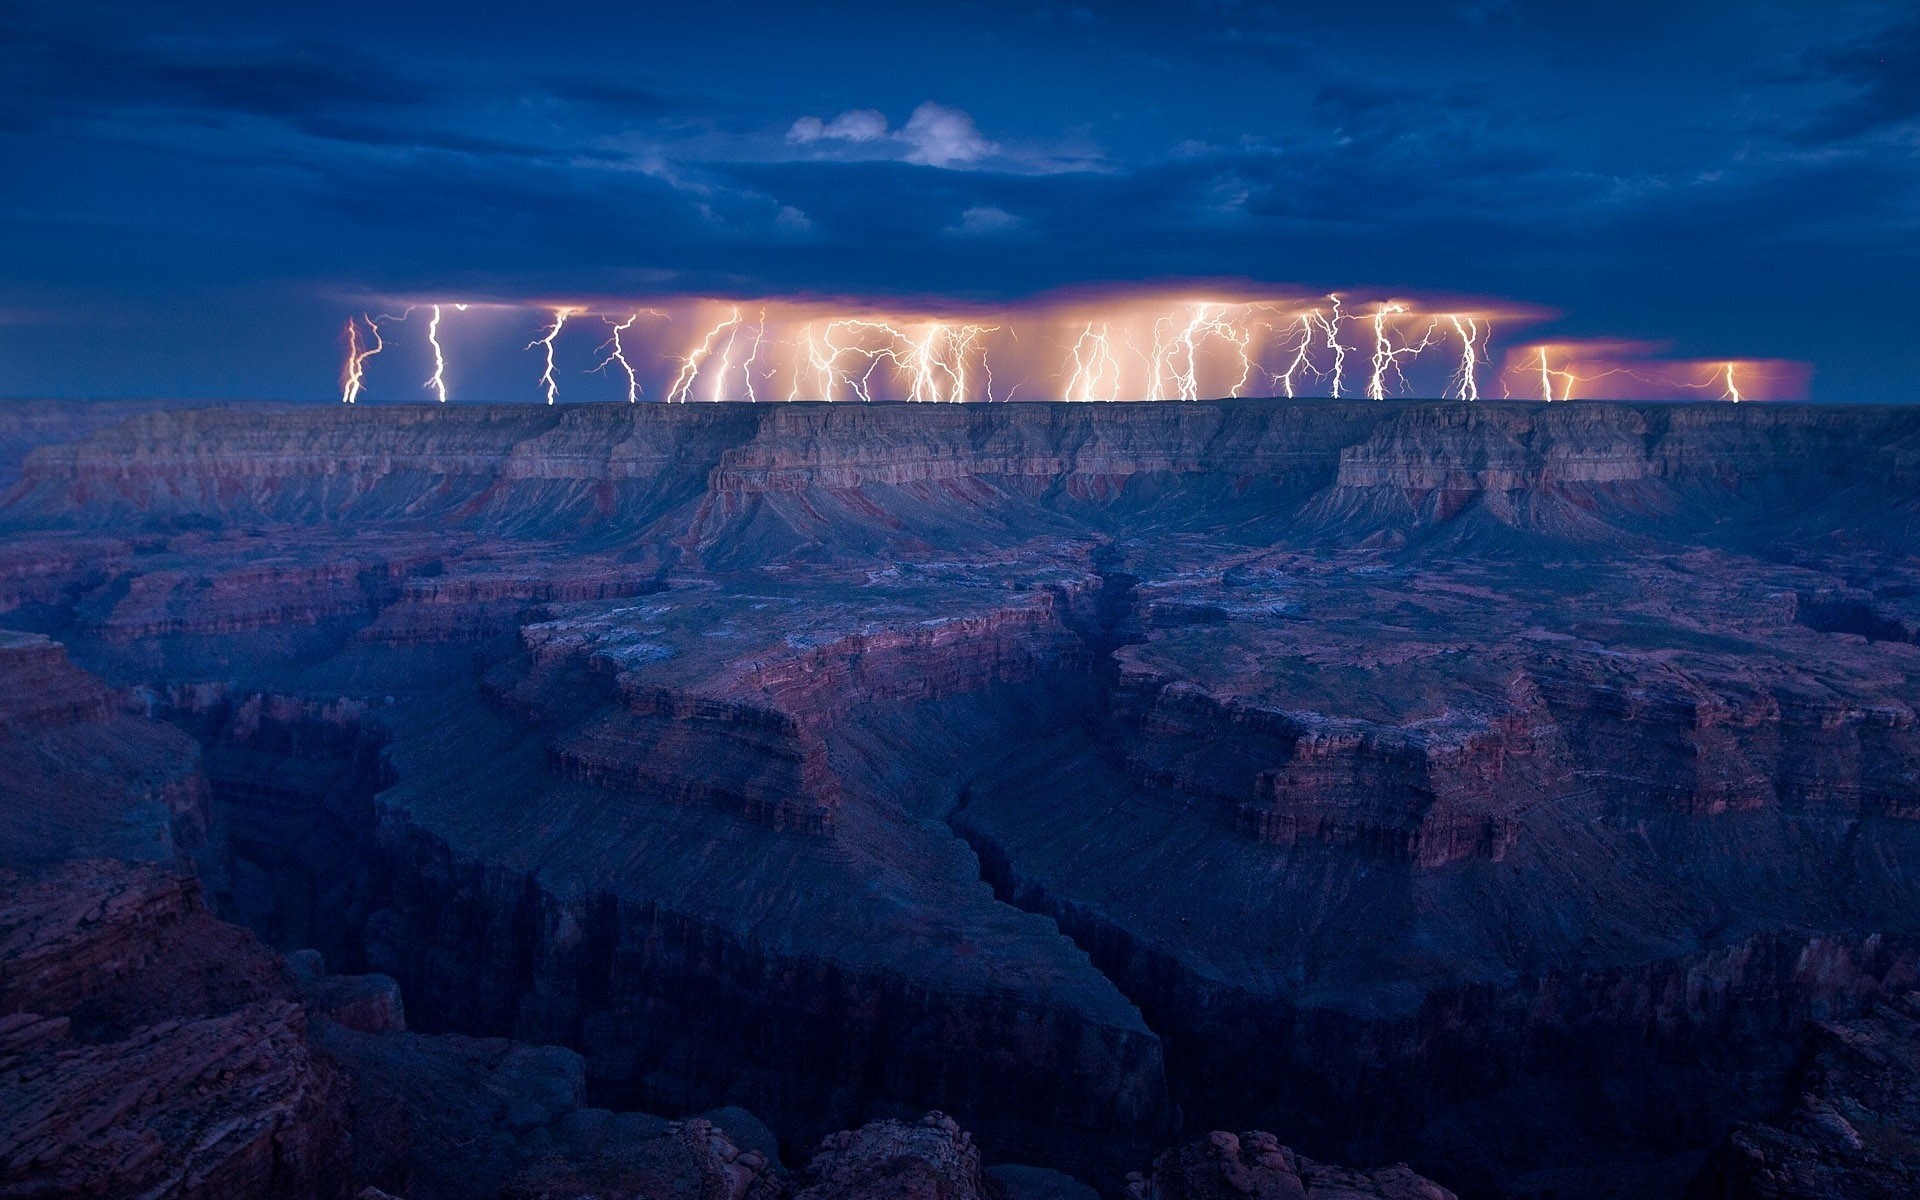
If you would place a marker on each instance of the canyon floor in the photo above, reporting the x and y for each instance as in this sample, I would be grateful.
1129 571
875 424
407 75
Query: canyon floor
471 801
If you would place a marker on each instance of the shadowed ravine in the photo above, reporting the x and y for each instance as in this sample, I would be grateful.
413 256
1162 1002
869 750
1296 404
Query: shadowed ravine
1504 789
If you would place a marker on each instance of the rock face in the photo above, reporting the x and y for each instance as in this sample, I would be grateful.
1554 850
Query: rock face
230 1106
1503 788
1223 1166
1853 1131
148 1049
929 1159
690 1159
79 777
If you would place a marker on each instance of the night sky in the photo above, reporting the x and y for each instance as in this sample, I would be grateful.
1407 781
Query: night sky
196 195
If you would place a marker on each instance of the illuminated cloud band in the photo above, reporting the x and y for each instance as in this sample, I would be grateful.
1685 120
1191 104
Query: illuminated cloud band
1140 345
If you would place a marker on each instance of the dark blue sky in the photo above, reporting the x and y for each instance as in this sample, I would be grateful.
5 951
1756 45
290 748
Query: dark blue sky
196 194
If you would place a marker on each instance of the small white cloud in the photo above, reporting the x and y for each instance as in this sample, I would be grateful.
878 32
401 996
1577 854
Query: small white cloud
791 220
942 137
855 125
985 220
934 136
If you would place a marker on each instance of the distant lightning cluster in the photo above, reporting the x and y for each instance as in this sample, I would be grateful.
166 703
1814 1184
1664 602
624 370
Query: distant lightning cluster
1163 346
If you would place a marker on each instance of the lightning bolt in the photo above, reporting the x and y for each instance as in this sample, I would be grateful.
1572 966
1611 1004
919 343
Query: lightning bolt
1301 351
353 379
753 355
439 380
1331 326
1387 356
618 354
1093 363
682 388
822 367
1176 356
1733 390
1566 377
746 368
1546 378
1466 379
941 353
547 380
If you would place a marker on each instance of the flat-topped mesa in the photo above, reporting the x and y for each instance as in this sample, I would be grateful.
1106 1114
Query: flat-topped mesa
1425 796
40 687
922 660
751 760
748 731
254 597
1420 800
502 463
692 473
1660 739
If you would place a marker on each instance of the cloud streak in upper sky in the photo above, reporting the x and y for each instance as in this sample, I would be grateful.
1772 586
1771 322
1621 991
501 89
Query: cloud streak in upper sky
935 135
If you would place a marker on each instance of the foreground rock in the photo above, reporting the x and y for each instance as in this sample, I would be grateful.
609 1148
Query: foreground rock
147 1049
1255 1166
1854 1132
929 1159
694 1160
225 1107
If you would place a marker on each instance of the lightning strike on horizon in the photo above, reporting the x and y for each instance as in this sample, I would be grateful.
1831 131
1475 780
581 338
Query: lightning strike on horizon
943 351
681 391
1567 377
1546 378
822 368
1331 326
1466 379
439 380
746 368
354 377
618 354
547 380
1387 356
1093 359
753 356
1183 349
1176 356
1301 360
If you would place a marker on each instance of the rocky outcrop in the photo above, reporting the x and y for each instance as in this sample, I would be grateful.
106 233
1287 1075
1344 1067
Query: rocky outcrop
928 1159
1223 1166
788 475
148 1049
233 1107
43 689
1853 1131
79 777
110 947
687 1160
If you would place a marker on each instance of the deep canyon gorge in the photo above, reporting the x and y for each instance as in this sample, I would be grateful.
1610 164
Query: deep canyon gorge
1526 794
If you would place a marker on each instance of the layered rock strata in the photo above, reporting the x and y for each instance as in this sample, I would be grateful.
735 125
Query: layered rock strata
1501 788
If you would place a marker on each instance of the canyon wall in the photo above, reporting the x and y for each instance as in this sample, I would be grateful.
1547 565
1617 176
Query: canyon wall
1504 788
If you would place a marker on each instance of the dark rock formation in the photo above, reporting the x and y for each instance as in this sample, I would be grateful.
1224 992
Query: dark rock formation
81 778
148 1049
233 1106
928 1159
686 1160
1256 1166
1503 788
1853 1132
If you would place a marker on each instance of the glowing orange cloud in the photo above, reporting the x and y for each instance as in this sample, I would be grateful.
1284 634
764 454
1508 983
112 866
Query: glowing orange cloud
1601 369
1183 343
